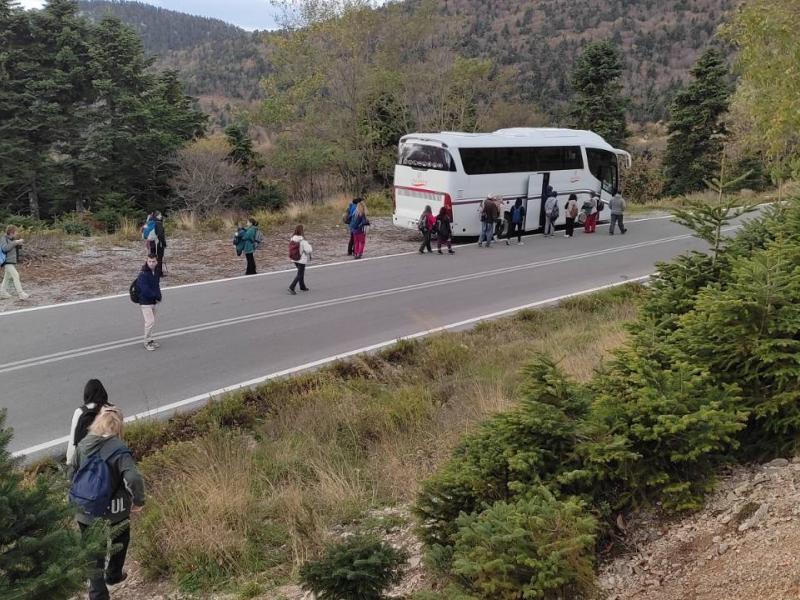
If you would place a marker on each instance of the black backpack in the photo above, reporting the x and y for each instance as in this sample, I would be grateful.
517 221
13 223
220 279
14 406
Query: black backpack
599 205
133 291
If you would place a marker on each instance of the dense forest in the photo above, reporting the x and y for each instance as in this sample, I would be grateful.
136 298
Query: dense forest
660 41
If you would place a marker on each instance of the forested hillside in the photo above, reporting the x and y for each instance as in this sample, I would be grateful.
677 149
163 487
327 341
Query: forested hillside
213 57
540 39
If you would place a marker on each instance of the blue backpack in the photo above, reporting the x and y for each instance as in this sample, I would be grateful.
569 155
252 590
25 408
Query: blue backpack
93 484
2 258
148 228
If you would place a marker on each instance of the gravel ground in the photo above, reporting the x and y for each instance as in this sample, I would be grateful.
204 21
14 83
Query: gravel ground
55 269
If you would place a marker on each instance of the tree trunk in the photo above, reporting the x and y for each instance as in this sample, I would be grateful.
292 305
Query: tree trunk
33 199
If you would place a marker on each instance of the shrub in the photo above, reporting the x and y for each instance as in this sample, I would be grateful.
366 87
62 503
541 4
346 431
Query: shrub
74 224
379 204
531 444
360 567
536 547
269 196
111 209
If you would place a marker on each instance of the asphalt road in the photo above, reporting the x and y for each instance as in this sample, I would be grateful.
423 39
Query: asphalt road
221 334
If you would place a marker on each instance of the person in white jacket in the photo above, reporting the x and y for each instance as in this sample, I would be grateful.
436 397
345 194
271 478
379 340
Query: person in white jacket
95 398
299 253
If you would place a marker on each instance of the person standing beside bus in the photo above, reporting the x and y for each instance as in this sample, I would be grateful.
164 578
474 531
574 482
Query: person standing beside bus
444 230
590 209
358 226
617 206
515 221
489 214
550 214
571 211
426 224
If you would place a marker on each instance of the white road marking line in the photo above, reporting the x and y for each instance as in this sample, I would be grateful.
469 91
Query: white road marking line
200 327
266 274
317 363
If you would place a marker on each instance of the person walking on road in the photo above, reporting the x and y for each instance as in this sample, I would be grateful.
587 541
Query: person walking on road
516 221
125 492
489 214
149 287
590 210
444 230
95 398
9 257
247 242
299 253
617 206
427 222
359 227
571 211
348 219
551 213
160 243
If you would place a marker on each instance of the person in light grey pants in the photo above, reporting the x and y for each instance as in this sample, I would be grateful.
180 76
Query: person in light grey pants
618 207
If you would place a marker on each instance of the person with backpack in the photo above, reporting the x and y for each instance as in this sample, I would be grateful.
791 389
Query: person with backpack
299 253
551 213
617 206
148 294
359 226
444 230
426 225
95 398
489 214
9 257
571 211
246 241
160 242
347 218
516 220
106 484
149 234
590 210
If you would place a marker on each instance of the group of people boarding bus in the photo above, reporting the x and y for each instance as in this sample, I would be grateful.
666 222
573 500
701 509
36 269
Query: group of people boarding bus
512 181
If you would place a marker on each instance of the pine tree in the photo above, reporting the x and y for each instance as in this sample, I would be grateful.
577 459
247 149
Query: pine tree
241 144
598 104
694 146
42 555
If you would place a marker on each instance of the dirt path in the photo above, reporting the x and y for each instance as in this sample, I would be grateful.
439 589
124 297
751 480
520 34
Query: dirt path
62 270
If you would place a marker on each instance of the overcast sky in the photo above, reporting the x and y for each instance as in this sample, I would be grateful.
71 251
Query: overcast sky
249 14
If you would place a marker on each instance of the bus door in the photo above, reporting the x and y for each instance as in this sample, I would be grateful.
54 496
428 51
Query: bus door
537 186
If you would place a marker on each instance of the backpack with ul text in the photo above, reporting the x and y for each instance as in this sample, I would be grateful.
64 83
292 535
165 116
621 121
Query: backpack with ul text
93 484
294 251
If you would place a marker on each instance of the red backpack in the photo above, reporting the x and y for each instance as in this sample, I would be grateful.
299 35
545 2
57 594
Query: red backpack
294 251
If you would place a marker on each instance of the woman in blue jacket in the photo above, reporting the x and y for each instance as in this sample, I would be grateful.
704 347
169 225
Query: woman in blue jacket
149 287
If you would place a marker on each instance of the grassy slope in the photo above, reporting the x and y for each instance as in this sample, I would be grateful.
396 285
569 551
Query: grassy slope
250 486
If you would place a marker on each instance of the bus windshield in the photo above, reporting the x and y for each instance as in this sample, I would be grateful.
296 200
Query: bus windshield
420 156
603 165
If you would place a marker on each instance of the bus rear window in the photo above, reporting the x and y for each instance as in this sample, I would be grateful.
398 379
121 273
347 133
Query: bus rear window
485 161
420 156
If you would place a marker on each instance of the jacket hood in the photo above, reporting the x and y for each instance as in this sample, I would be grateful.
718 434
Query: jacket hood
91 443
94 392
297 238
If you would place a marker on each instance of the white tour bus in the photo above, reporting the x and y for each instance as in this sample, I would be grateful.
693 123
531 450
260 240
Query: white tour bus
459 170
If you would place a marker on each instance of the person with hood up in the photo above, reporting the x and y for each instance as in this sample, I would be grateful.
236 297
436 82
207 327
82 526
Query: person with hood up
95 398
149 286
427 222
358 227
10 245
444 230
104 439
550 214
348 218
299 253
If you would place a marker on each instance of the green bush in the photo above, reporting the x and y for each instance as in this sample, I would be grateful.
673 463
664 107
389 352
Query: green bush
110 209
361 567
270 197
74 224
532 444
537 547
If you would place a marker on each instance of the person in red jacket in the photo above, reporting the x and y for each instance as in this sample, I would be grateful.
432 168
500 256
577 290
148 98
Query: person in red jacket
426 224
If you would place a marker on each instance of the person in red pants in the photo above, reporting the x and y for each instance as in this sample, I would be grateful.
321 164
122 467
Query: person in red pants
590 208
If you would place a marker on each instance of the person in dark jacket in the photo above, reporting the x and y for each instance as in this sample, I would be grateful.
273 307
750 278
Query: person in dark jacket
10 245
426 224
95 398
516 221
149 286
160 243
348 219
246 244
444 230
105 438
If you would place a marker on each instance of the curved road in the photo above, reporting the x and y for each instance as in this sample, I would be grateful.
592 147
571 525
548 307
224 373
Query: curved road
244 330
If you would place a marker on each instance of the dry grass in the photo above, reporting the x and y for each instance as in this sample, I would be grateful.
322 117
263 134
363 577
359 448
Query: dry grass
127 231
359 434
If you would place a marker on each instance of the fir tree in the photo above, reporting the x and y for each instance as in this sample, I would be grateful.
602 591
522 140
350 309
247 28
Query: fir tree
241 144
598 104
694 146
42 555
